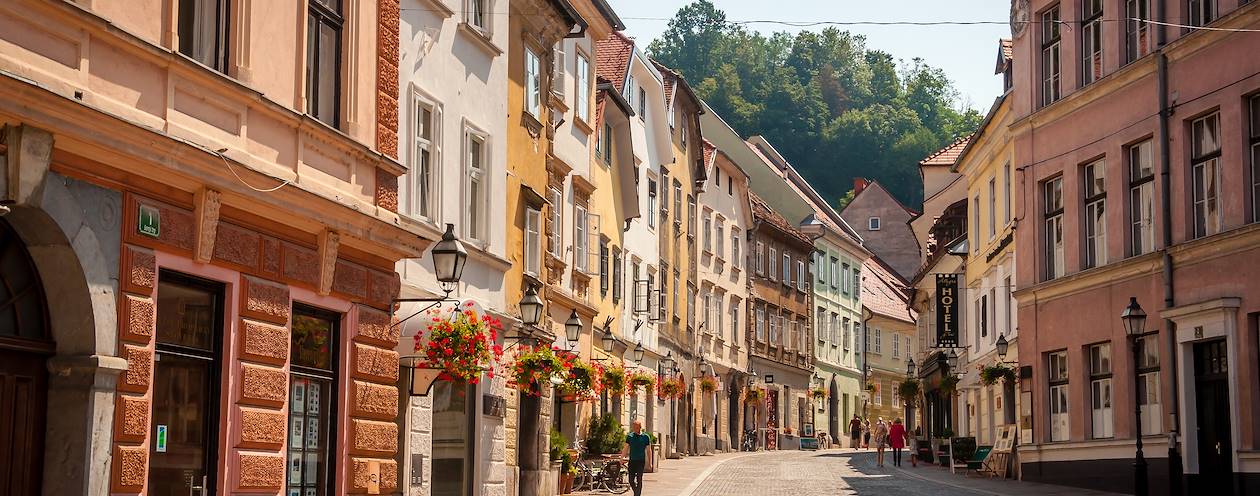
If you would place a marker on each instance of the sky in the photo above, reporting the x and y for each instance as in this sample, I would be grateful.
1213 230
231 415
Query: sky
967 54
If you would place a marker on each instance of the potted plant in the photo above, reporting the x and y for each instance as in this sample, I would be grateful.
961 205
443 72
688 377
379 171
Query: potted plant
555 453
754 395
613 380
461 345
641 379
533 367
605 436
708 384
991 374
818 393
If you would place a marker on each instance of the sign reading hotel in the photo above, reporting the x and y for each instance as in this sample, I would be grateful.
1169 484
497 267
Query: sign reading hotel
946 310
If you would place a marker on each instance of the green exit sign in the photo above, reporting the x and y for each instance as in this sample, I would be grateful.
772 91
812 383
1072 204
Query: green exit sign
150 221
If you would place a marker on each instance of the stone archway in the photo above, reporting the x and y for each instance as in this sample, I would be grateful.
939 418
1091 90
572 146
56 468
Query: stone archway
72 231
833 412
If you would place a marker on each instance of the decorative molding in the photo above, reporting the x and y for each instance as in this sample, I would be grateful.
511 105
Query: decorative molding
206 203
328 242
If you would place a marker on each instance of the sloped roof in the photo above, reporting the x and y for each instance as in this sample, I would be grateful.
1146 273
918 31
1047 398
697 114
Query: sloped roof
884 292
612 59
762 211
1006 53
946 156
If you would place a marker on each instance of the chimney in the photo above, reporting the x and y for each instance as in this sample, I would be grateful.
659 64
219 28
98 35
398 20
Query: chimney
859 184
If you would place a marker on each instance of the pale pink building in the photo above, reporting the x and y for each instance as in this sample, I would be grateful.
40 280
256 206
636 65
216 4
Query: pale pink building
198 247
1119 200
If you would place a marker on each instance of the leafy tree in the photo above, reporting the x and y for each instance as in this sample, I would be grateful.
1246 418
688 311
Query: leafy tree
834 107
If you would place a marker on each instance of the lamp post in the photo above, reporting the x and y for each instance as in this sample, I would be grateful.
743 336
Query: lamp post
909 402
449 257
573 329
1134 319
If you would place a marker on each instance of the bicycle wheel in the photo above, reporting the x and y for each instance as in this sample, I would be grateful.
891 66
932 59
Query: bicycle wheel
613 480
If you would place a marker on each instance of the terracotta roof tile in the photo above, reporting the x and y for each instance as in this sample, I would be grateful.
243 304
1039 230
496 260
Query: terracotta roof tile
762 210
948 155
612 59
883 292
1008 49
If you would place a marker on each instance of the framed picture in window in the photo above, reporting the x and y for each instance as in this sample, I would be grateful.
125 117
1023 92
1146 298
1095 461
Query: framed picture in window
312 433
295 434
312 400
298 401
295 470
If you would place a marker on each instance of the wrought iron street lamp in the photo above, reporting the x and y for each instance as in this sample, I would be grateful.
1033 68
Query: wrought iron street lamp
449 257
638 352
1002 347
531 307
910 367
1134 319
608 340
573 327
952 360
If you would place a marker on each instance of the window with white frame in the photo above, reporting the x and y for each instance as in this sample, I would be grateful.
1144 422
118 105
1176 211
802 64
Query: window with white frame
878 395
857 283
896 347
760 263
720 249
834 326
533 241
651 211
846 328
774 263
557 69
759 325
1052 200
1058 377
476 184
735 261
582 95
800 275
1202 12
1141 198
533 84
844 281
873 224
878 339
642 104
707 298
1205 154
835 272
774 327
975 224
477 14
1091 40
678 198
707 235
1101 422
425 139
719 326
1095 214
1006 194
580 230
787 269
1050 67
691 215
992 207
1148 391
1137 39
821 319
556 234
734 311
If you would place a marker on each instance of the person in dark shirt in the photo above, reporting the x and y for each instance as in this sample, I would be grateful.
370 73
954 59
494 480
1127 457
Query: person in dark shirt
636 446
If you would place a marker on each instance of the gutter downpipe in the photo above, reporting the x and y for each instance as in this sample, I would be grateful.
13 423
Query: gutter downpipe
1175 468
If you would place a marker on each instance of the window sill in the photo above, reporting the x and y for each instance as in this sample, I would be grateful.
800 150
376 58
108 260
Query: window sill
480 38
586 129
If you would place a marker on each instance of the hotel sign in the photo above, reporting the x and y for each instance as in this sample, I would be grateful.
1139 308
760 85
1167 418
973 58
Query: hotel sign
946 310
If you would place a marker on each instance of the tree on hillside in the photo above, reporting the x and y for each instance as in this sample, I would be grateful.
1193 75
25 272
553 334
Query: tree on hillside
832 106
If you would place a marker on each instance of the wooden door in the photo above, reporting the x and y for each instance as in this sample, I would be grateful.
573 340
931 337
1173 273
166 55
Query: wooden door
24 347
1211 366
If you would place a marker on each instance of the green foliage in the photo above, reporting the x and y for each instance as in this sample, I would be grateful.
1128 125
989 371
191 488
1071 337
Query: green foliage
605 436
834 107
556 445
844 200
908 390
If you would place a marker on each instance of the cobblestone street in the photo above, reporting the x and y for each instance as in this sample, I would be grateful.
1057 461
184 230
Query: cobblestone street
826 473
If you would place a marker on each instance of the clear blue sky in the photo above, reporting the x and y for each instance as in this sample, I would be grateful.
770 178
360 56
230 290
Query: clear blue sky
967 54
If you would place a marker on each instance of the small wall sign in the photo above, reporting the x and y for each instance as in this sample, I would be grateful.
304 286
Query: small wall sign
769 378
161 438
493 406
149 221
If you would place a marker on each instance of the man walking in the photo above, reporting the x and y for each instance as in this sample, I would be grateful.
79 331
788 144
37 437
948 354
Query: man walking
636 445
855 432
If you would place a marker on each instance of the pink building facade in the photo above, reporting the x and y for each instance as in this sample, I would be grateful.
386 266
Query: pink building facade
200 231
1118 199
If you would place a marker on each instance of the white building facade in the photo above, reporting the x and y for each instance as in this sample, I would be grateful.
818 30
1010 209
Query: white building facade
452 137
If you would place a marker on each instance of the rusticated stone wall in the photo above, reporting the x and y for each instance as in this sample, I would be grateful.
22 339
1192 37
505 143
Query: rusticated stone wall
258 405
137 324
374 378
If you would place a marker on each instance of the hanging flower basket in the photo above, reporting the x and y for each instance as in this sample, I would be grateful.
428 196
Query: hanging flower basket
991 374
613 380
642 379
581 381
872 388
461 345
818 393
908 390
534 367
708 384
949 385
669 388
754 395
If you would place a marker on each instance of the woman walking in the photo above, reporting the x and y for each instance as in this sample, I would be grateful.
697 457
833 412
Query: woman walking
881 441
898 438
866 434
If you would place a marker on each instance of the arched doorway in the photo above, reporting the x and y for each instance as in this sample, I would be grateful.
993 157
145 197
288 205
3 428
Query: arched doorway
24 348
